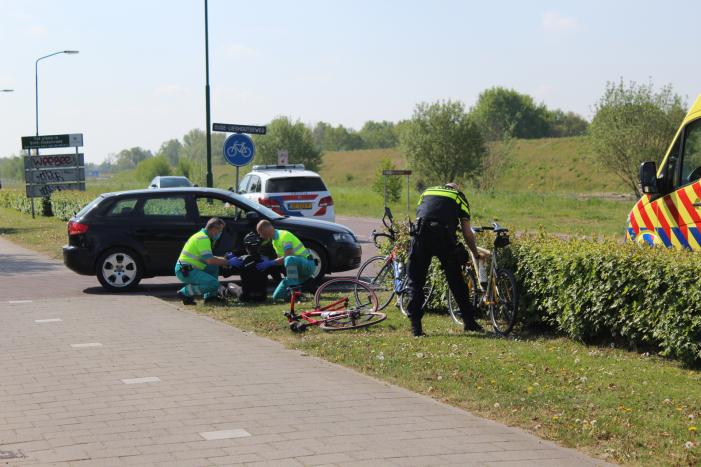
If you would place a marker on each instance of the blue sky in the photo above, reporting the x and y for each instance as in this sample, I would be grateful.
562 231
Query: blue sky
139 77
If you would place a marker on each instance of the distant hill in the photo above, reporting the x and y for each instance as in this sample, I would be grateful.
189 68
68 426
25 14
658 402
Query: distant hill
539 165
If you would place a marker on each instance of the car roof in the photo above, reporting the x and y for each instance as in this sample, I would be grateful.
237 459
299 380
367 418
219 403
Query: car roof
285 173
182 189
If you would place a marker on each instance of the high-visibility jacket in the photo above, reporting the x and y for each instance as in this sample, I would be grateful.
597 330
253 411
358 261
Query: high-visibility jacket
196 250
443 204
284 240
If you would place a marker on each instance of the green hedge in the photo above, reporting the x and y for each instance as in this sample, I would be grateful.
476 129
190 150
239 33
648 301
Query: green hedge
603 292
62 204
596 291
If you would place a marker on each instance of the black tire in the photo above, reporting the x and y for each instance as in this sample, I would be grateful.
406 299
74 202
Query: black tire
119 269
472 295
504 309
358 311
404 297
319 255
378 274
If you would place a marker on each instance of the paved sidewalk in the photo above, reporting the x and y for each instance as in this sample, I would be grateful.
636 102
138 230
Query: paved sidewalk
132 380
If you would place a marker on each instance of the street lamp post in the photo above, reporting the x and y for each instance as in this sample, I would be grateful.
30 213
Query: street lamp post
36 85
6 90
36 97
210 178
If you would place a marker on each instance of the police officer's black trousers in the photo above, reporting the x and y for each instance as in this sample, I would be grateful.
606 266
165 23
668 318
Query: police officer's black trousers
440 242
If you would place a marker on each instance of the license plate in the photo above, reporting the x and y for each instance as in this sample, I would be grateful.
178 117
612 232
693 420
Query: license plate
300 205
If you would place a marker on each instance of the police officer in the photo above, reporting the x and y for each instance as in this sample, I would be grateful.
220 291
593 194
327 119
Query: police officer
442 209
292 254
198 268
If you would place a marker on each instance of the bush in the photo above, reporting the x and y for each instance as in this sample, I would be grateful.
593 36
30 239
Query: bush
603 292
149 168
596 291
394 182
15 199
65 204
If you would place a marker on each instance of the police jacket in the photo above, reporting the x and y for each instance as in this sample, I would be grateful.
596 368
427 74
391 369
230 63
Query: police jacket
444 205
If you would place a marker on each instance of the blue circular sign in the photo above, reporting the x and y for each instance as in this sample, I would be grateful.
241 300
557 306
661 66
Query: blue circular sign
239 150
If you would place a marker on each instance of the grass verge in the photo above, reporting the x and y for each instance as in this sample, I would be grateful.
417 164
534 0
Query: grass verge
43 234
620 406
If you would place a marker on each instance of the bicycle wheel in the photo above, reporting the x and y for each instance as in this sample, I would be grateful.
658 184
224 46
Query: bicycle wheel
472 295
404 298
349 304
504 305
378 274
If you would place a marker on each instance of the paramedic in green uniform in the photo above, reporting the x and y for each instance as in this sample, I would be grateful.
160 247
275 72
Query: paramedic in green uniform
292 254
198 268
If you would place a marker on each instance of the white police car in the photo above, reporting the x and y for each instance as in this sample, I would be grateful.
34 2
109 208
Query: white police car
289 190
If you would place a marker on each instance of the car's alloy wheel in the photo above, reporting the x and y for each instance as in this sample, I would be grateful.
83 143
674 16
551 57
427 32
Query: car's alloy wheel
320 263
119 270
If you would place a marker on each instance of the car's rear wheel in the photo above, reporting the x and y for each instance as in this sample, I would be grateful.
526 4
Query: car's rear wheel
119 269
319 256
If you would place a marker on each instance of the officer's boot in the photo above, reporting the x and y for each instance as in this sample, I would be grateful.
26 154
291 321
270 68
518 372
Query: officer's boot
469 323
416 327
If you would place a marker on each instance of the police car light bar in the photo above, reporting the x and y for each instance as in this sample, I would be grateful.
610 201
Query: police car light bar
278 167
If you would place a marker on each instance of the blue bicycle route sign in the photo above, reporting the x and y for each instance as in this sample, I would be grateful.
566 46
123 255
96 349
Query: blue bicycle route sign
239 150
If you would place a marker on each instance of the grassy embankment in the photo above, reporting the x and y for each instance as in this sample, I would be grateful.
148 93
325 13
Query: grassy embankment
554 184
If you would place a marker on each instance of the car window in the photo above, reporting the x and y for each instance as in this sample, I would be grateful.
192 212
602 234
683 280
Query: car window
215 207
171 206
254 186
89 206
167 182
294 185
691 153
123 207
243 184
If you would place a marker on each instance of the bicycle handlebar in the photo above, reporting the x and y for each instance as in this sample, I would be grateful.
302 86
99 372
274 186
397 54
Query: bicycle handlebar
493 228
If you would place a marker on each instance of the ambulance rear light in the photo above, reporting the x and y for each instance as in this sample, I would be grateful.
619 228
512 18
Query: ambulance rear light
76 228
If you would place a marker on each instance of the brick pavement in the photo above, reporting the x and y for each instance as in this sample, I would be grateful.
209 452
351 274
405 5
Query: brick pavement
193 380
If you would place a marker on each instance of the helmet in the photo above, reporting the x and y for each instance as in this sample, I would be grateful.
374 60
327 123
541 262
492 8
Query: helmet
251 240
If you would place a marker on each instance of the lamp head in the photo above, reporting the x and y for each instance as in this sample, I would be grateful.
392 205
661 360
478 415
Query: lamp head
71 51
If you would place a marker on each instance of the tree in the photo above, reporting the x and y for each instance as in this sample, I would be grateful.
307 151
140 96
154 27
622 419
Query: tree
339 138
152 167
296 138
566 124
129 158
442 142
12 168
394 183
634 123
379 135
171 150
502 112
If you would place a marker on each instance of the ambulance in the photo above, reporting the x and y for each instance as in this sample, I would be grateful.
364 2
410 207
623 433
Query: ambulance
669 212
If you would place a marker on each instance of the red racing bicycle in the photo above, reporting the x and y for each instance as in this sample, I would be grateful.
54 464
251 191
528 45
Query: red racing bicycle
339 304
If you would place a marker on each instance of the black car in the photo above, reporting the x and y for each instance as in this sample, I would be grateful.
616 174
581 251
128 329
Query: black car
127 236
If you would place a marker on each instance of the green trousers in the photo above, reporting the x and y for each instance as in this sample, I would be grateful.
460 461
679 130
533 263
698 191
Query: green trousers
204 283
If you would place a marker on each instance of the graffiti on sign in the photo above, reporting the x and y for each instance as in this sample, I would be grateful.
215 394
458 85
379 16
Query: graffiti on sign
53 161
42 191
71 174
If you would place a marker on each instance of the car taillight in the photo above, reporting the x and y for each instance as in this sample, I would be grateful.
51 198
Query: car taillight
326 202
271 203
76 228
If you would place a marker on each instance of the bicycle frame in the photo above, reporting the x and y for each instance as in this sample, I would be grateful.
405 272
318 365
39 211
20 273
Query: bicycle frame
309 316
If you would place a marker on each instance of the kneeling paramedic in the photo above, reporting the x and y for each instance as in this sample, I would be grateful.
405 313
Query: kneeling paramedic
198 268
441 210
292 254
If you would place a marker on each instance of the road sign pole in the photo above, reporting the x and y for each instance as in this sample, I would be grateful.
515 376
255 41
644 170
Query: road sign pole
385 192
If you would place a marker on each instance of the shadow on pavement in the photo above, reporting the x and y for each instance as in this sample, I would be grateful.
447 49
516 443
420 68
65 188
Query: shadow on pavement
23 264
